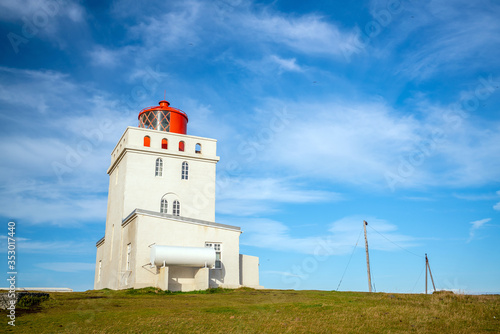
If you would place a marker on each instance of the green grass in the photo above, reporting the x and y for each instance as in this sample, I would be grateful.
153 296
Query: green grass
257 311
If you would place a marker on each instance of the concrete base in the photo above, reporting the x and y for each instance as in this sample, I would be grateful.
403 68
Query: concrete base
182 278
201 279
163 278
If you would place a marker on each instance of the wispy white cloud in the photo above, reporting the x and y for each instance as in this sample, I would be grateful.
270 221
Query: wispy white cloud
419 198
458 35
266 65
30 246
359 143
476 225
497 206
65 184
308 34
475 197
48 20
344 142
69 210
29 87
281 273
197 27
286 64
105 57
240 208
38 10
339 238
246 196
480 197
66 267
203 121
17 238
178 27
273 189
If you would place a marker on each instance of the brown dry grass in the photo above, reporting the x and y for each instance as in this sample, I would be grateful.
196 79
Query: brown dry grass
259 311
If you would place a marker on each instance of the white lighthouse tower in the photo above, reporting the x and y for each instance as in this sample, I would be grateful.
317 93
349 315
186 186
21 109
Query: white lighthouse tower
160 224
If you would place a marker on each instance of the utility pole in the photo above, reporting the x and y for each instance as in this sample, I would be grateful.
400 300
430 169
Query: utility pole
368 258
427 266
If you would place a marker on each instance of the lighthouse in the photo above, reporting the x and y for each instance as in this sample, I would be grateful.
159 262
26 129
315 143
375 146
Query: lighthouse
160 223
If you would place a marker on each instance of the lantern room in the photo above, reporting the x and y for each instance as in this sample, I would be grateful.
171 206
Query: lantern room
163 118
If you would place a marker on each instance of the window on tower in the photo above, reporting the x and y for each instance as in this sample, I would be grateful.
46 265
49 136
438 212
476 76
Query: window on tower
164 143
181 146
185 170
198 148
176 208
147 141
129 253
159 167
163 205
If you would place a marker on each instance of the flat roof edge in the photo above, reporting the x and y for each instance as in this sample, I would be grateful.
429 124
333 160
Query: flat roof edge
177 218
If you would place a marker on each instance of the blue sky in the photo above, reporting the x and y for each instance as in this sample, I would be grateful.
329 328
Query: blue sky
326 113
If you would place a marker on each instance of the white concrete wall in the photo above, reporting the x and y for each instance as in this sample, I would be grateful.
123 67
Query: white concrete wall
109 252
162 231
249 271
134 137
142 189
99 257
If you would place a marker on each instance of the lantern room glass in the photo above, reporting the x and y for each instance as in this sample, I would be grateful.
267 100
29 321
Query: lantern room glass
155 120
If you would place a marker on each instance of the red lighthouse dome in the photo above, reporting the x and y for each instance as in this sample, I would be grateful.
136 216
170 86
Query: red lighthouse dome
163 118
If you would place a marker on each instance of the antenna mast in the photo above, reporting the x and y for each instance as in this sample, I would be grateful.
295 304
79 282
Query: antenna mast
368 258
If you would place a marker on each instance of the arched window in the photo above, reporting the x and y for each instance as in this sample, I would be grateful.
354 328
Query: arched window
181 146
147 141
198 148
163 205
164 143
159 167
177 208
185 171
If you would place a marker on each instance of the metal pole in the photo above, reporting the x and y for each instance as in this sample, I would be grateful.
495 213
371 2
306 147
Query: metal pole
426 265
367 258
430 273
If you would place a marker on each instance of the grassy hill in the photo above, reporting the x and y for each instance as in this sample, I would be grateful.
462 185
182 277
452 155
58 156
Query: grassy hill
257 311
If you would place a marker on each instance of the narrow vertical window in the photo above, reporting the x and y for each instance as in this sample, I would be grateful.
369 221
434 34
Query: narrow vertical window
159 167
198 148
164 143
147 141
163 205
99 271
181 146
218 254
185 171
177 208
129 252
112 238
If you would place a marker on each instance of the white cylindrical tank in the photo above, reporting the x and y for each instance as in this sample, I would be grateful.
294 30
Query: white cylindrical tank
182 256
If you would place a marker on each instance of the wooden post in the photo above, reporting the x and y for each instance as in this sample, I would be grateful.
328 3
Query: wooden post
426 266
430 273
367 258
